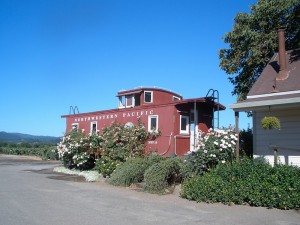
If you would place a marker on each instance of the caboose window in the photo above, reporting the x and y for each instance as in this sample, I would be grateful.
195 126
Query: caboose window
75 126
121 101
184 124
93 127
175 98
148 96
153 123
137 100
129 101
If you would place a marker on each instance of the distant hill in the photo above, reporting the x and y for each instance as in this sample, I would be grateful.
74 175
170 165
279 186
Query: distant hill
18 137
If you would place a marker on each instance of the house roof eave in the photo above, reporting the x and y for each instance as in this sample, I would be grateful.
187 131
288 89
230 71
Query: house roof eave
254 105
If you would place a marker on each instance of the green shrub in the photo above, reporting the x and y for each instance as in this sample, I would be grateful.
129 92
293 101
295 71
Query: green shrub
154 158
132 171
105 166
247 182
246 142
44 150
162 175
49 153
194 164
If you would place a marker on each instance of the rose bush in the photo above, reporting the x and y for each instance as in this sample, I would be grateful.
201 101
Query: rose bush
75 152
117 143
104 150
213 148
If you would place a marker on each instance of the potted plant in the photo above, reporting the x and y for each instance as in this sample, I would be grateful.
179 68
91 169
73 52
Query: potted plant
270 122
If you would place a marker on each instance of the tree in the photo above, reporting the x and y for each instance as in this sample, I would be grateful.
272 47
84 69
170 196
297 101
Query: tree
253 41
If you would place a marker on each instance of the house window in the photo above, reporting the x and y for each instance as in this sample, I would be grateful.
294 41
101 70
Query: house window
93 127
153 123
75 126
184 124
148 96
175 98
122 101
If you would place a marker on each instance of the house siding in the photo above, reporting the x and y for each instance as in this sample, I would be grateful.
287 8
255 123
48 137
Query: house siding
286 139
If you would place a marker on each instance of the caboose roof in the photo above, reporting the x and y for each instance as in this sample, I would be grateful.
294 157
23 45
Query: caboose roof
204 100
141 89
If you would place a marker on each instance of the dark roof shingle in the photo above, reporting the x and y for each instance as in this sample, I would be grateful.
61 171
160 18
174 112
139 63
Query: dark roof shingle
267 83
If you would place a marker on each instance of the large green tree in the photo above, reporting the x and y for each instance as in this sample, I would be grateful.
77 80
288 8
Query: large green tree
253 41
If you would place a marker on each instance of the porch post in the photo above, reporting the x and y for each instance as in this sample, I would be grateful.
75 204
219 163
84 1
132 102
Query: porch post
237 149
195 123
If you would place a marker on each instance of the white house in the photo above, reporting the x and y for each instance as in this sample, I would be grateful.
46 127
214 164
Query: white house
276 93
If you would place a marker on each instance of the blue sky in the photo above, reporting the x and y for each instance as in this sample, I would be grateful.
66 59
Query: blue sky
61 53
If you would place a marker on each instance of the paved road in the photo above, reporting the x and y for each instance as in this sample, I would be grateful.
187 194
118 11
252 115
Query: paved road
30 194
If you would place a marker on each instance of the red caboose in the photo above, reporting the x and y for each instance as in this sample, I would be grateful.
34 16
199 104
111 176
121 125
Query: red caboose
160 110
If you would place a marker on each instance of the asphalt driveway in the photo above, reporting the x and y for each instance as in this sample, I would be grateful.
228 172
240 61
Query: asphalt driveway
32 194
